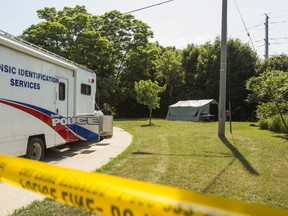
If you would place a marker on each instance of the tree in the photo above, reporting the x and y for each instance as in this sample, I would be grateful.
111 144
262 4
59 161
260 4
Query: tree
169 71
269 87
147 93
116 46
242 60
139 66
275 62
202 65
269 90
202 79
60 30
189 63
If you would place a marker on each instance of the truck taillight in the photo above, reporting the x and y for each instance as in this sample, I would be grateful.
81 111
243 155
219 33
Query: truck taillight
91 80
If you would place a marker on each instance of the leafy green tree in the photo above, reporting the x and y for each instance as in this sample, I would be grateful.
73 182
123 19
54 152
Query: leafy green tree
126 34
147 93
269 89
169 71
59 32
139 66
242 61
203 78
275 62
111 44
189 63
202 66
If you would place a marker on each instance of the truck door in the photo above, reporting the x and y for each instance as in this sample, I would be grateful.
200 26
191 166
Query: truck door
62 98
62 106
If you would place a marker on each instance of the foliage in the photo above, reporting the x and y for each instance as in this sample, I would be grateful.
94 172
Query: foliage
276 62
202 66
139 66
147 93
114 45
269 89
170 72
263 123
266 110
241 66
268 86
274 123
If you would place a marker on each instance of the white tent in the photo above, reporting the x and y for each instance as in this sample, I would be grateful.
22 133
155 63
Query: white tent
190 110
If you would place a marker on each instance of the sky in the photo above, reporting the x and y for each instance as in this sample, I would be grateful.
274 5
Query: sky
175 23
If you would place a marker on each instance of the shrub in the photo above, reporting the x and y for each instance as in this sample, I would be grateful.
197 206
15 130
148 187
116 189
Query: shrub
274 123
263 124
266 110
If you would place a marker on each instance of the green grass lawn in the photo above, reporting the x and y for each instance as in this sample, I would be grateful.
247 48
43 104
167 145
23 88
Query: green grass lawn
250 164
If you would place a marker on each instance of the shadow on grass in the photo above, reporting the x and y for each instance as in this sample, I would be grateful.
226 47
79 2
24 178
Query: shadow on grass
221 155
239 156
150 125
212 183
284 137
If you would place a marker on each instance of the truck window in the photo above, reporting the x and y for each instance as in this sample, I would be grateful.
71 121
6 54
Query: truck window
85 89
61 91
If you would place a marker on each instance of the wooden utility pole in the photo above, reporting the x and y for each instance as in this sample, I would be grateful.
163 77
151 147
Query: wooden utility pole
266 36
223 73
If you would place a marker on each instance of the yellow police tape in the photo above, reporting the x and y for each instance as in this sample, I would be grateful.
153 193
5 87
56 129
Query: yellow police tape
114 196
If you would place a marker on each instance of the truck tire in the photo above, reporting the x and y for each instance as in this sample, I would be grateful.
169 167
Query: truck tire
35 149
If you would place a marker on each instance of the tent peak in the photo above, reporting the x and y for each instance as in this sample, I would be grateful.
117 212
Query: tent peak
194 103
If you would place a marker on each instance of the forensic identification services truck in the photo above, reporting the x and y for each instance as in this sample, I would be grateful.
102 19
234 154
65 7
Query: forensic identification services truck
45 101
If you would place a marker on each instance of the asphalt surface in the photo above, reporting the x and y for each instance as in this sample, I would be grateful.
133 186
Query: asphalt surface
82 156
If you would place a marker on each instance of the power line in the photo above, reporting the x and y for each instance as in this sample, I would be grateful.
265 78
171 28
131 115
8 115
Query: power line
283 21
277 43
143 8
248 34
280 38
257 41
255 26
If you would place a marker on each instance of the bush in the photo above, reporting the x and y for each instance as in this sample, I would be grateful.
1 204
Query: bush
263 124
274 123
267 110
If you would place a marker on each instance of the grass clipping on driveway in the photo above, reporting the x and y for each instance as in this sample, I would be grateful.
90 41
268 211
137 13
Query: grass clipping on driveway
250 164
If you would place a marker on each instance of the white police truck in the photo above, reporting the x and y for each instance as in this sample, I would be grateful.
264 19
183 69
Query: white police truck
45 101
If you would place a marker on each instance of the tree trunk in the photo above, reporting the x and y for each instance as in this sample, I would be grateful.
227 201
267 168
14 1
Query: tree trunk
281 117
150 116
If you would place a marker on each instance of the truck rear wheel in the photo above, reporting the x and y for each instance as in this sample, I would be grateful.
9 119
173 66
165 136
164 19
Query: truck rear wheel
35 149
